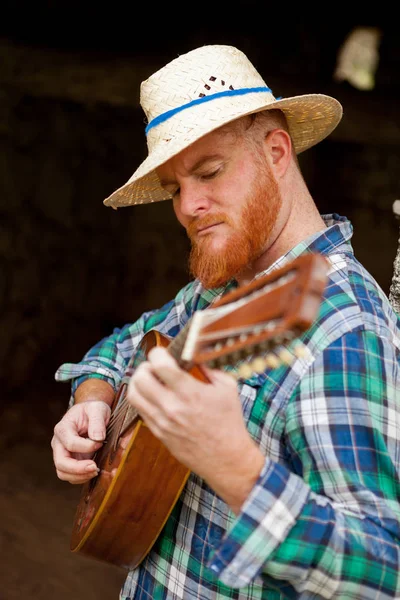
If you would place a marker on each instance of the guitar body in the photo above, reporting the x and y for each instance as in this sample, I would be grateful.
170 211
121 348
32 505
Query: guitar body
122 511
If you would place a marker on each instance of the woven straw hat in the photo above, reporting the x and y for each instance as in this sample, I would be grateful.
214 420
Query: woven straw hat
202 90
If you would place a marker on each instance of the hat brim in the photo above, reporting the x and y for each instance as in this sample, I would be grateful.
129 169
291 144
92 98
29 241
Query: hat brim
310 118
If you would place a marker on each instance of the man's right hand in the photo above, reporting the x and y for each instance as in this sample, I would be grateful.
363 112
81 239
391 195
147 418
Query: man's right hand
78 435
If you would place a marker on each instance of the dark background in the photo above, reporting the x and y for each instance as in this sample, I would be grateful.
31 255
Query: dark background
71 131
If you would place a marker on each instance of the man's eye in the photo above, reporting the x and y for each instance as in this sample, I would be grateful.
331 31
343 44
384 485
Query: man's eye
210 175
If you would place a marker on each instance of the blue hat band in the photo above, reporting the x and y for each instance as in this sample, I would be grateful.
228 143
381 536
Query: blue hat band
170 113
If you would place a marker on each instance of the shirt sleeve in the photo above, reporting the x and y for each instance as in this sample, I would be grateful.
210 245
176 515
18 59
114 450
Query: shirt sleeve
327 522
108 358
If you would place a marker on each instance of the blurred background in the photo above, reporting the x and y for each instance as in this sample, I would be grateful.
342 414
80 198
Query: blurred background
71 132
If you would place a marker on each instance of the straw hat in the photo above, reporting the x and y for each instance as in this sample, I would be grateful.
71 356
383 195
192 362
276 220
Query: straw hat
198 92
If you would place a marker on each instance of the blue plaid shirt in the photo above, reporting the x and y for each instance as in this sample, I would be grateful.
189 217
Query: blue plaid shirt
323 519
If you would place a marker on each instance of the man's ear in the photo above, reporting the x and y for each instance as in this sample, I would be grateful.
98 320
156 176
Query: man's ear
278 145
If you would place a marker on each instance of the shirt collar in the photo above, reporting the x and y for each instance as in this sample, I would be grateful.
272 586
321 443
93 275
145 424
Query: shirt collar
335 238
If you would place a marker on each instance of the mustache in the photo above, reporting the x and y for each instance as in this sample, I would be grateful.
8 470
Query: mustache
201 222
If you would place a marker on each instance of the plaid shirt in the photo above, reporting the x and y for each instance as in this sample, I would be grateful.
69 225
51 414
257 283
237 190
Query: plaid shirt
323 519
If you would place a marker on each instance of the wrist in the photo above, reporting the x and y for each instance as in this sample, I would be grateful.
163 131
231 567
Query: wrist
235 483
94 389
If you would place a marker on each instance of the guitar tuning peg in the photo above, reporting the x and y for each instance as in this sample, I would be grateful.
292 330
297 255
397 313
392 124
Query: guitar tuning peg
272 361
259 365
285 356
300 350
245 371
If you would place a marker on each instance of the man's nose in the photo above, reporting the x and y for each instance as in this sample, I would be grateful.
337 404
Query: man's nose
193 202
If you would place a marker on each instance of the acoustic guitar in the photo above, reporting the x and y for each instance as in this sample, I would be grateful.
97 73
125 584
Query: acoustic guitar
255 327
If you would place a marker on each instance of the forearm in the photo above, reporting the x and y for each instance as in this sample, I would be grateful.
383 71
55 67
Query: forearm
289 534
234 485
94 389
335 554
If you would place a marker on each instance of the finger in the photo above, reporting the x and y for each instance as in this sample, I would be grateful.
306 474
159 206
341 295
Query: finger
166 368
145 385
98 414
160 355
74 443
69 468
76 478
217 376
151 413
78 444
147 394
72 428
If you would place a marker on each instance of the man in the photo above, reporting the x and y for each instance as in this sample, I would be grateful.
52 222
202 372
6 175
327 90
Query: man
294 487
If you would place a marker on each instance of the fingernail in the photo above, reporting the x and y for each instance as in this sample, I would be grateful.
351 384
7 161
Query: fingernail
98 438
93 468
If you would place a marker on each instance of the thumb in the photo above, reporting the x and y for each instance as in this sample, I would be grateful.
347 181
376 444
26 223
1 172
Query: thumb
98 414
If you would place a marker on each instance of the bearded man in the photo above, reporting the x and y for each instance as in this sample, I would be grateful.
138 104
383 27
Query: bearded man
294 488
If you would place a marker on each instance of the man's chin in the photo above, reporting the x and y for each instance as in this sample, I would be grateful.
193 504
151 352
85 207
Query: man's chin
213 274
212 244
215 264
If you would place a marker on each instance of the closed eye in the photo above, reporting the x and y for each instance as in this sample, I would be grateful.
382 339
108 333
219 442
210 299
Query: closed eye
211 175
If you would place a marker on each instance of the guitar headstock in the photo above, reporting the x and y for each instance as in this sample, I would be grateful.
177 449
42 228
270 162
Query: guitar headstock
260 319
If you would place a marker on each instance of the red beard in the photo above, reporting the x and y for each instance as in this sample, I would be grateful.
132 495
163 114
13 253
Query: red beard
247 241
